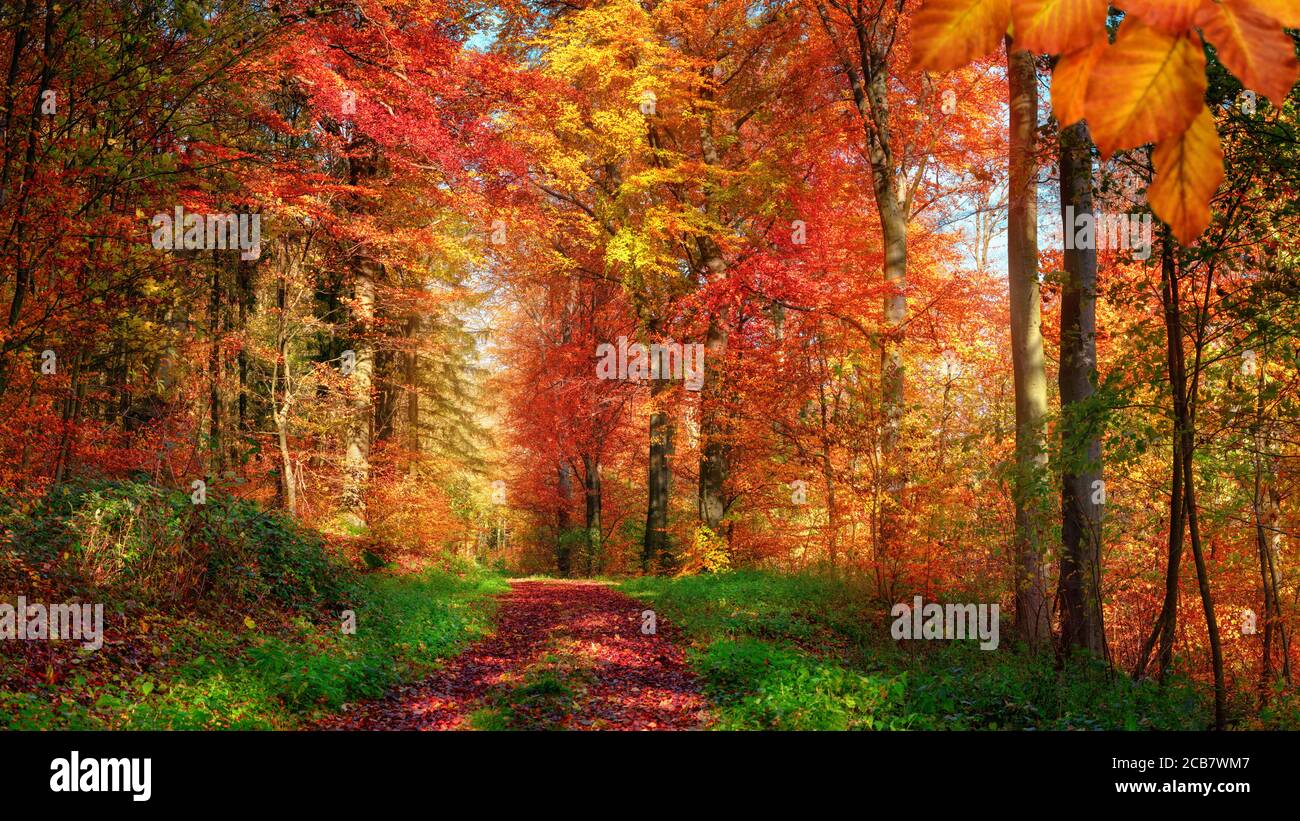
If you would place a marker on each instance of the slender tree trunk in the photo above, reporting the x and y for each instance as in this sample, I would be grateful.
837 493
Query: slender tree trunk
1166 624
872 99
215 440
1079 586
22 30
654 551
22 265
868 77
1183 388
282 397
563 549
1033 622
893 227
71 411
412 395
1203 582
25 460
591 484
361 404
385 395
714 432
714 449
832 508
1188 385
1267 536
23 282
1265 511
288 484
244 277
828 475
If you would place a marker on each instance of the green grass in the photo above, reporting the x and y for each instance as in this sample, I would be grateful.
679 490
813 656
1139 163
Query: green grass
549 692
232 613
207 676
807 652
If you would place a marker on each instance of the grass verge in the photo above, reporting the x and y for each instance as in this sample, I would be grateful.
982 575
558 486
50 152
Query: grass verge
225 615
812 653
197 672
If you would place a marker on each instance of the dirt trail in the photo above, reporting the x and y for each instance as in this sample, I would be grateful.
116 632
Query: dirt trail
565 655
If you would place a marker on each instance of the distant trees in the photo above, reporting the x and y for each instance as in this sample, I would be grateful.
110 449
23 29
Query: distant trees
243 366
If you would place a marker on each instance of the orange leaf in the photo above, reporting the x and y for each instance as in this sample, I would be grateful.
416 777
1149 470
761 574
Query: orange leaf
1170 16
1189 168
1057 26
1284 12
948 34
1070 81
1147 86
1252 46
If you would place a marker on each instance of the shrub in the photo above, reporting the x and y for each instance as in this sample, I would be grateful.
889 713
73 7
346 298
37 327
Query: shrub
133 540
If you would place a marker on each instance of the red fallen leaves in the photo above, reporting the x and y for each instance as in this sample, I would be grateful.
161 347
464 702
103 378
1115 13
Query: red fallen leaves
630 681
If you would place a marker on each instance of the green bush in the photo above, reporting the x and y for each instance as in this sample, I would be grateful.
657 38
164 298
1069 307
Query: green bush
134 540
214 666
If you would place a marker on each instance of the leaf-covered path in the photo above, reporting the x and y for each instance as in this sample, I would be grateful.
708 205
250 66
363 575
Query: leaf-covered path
565 655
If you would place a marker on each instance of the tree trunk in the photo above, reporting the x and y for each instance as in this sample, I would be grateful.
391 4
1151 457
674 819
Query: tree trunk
386 398
1187 384
1266 511
23 279
281 395
591 484
1167 622
412 396
288 486
244 279
361 405
714 433
1033 621
1183 389
654 552
893 229
1203 579
1079 586
22 30
71 412
215 441
714 456
356 470
563 550
868 77
828 471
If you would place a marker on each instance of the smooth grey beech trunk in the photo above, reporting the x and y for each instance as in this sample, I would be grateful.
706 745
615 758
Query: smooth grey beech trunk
1082 495
1033 618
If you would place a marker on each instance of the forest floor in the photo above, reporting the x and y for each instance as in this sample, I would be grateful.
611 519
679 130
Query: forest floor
565 655
293 631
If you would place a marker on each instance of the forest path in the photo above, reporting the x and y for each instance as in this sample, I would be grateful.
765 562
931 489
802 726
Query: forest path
565 655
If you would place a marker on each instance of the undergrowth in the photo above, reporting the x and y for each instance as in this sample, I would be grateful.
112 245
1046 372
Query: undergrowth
231 616
805 652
